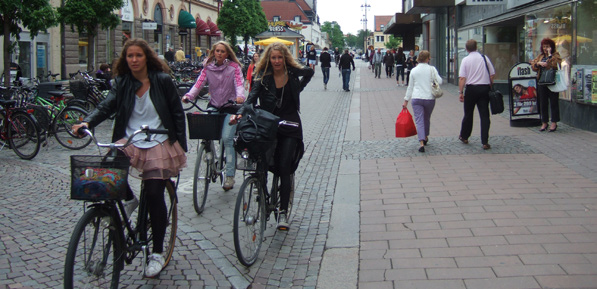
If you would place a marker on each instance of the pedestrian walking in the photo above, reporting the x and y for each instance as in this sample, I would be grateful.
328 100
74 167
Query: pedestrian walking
400 59
312 57
473 86
169 55
326 62
377 60
249 79
222 71
411 62
548 100
388 61
144 94
278 82
344 66
423 102
336 56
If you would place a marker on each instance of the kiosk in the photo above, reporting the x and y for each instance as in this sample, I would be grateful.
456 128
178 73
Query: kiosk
524 103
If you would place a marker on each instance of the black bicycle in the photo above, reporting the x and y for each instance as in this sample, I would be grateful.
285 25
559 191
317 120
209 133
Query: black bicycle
255 202
105 236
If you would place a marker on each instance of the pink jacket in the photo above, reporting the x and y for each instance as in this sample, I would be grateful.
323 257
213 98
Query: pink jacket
225 83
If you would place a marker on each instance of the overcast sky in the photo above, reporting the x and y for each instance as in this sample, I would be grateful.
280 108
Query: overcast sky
348 13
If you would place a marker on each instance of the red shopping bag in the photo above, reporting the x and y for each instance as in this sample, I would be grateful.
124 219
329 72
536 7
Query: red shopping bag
405 126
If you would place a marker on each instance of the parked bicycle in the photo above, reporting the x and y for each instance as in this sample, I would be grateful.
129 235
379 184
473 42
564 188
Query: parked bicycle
255 202
210 164
105 236
19 130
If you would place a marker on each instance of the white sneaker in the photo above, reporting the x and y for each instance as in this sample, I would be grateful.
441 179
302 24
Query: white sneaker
130 206
228 183
154 265
283 221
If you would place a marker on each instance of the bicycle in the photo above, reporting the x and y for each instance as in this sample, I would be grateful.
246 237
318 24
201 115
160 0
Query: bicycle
19 130
254 203
211 159
104 238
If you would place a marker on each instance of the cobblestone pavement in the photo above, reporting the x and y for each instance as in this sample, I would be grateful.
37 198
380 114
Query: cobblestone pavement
371 211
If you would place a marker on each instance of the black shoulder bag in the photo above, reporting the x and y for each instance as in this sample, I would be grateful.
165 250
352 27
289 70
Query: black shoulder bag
256 131
496 99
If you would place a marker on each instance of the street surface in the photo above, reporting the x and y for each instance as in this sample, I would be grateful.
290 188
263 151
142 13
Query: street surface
370 210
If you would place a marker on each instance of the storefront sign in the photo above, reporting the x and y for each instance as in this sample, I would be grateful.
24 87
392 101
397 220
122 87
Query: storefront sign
515 3
281 26
485 2
127 11
522 81
150 25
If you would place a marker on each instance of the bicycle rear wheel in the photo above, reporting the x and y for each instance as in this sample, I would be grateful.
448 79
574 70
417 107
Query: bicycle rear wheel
23 135
201 177
170 237
94 258
63 124
249 221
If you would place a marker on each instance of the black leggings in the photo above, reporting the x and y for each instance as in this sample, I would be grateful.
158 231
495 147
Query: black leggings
156 206
285 152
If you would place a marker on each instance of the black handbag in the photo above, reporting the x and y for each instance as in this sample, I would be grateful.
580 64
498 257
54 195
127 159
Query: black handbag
496 99
548 77
256 131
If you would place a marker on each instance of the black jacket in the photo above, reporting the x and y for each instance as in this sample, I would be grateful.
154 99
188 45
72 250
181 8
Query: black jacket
121 99
346 61
325 59
264 89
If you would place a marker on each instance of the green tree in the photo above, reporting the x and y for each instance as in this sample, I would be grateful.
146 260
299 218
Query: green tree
394 42
353 41
89 15
335 33
241 18
32 15
361 36
256 23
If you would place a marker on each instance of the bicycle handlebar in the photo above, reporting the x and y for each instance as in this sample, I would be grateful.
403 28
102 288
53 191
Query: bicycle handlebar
144 129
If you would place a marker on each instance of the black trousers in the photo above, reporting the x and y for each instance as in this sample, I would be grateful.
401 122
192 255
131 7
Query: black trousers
548 100
476 95
284 158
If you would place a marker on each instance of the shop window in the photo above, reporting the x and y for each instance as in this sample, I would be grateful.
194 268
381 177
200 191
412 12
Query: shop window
83 47
584 70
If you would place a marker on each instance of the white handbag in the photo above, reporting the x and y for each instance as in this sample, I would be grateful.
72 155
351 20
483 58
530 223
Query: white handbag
561 81
436 91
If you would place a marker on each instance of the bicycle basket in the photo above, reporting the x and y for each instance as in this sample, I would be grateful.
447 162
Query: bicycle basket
97 178
205 126
78 88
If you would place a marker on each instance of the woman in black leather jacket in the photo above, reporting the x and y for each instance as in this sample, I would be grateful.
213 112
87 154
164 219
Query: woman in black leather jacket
144 94
277 84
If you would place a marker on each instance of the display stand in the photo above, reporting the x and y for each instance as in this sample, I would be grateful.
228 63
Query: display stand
524 103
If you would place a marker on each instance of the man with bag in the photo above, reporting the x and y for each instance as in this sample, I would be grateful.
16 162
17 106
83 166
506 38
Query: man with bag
475 79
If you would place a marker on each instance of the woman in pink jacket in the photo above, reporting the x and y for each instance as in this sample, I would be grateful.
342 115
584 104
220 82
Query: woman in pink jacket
223 72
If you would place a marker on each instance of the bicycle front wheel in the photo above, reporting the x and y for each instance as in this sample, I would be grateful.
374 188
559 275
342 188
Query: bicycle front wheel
23 135
201 177
249 221
63 124
94 258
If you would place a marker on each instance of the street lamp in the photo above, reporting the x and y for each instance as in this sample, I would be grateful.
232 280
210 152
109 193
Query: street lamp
365 7
332 42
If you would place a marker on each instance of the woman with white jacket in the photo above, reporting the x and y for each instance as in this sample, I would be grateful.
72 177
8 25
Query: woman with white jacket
423 102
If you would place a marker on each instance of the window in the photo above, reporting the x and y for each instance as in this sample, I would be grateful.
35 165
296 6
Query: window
584 71
276 18
83 47
297 19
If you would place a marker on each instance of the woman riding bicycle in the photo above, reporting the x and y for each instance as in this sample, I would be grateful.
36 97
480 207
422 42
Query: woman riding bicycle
223 72
278 81
144 94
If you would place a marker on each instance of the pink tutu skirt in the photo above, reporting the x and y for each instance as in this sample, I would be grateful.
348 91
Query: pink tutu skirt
162 161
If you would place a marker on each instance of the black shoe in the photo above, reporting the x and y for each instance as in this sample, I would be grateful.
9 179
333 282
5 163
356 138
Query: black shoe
464 141
543 128
421 149
425 141
486 147
554 129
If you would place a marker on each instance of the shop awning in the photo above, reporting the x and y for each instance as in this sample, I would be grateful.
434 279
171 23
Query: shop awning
214 30
202 28
427 6
403 23
186 20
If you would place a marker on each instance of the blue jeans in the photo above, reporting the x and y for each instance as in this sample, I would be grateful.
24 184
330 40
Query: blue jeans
228 132
345 78
326 74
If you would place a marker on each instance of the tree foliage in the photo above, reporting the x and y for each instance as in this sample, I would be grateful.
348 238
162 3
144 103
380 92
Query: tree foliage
32 15
393 42
89 15
241 18
335 33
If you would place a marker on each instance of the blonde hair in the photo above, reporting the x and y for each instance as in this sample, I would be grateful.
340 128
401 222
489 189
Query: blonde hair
423 56
264 63
231 55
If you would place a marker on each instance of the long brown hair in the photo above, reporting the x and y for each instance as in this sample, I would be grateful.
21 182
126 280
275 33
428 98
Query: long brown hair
551 43
231 56
264 63
153 62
